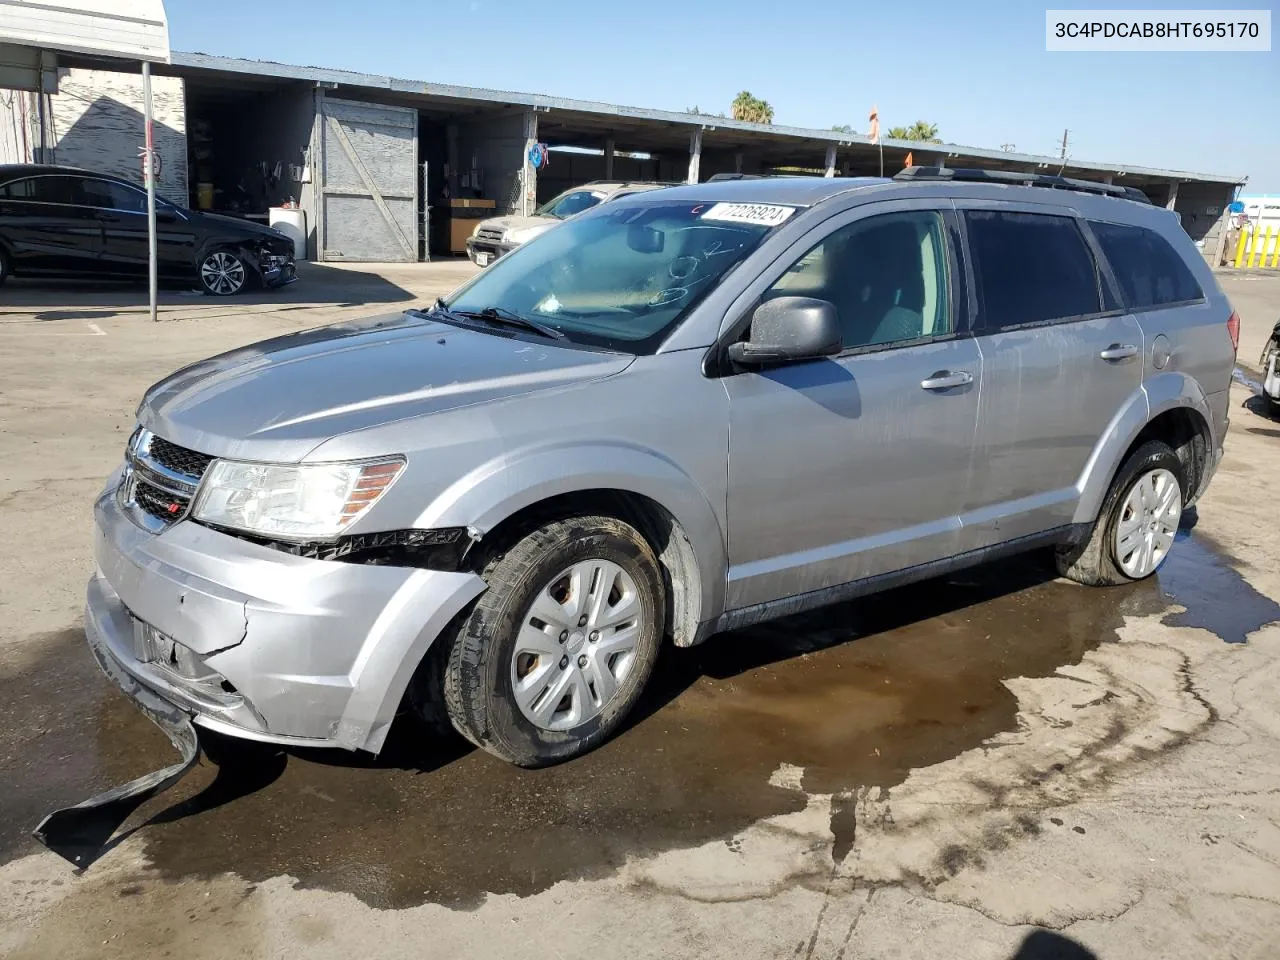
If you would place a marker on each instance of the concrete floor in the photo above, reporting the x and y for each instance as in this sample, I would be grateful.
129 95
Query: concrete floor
997 765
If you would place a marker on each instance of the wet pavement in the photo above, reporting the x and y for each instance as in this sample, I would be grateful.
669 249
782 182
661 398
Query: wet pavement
857 695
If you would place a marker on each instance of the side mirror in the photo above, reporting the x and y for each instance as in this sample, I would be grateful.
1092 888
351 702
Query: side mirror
788 329
165 214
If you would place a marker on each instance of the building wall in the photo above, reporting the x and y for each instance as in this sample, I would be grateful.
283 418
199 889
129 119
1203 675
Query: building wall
95 121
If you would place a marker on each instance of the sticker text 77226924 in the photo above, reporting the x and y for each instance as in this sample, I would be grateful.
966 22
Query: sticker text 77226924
764 214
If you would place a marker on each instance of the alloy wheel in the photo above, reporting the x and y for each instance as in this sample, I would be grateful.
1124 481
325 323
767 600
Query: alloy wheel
222 273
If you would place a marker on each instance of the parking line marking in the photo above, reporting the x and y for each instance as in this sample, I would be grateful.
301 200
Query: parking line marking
96 330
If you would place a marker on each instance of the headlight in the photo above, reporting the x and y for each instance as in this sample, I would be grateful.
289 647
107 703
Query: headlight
298 502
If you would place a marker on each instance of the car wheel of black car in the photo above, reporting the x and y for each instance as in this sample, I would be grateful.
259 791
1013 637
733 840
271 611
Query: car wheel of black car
223 273
553 656
1137 524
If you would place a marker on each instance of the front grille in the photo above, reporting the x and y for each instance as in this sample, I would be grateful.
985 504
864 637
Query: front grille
178 459
161 480
157 503
489 234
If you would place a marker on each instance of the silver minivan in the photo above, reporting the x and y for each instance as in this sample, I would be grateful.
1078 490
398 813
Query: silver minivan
674 415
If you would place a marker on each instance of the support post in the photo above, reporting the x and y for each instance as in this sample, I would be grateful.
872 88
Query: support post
528 172
695 155
149 176
831 160
1173 195
608 158
737 162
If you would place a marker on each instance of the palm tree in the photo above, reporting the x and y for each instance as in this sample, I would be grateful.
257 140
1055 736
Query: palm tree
751 109
842 128
899 133
921 130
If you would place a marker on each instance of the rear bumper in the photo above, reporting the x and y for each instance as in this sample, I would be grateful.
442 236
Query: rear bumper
285 649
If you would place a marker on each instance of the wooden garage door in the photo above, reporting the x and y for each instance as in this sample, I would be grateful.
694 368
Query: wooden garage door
370 195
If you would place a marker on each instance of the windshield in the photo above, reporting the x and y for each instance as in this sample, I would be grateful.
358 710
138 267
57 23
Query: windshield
623 275
569 203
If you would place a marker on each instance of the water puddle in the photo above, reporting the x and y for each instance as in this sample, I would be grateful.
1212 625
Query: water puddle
856 695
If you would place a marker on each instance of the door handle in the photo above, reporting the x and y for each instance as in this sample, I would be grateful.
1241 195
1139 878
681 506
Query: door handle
1119 351
946 379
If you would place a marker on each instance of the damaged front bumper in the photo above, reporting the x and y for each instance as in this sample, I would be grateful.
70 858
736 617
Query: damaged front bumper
259 644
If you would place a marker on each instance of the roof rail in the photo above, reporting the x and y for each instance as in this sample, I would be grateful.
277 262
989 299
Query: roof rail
970 175
735 176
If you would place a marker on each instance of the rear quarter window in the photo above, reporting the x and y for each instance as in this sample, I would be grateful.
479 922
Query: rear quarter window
1149 270
1030 268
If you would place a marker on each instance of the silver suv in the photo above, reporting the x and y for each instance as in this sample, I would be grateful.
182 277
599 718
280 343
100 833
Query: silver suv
497 236
679 413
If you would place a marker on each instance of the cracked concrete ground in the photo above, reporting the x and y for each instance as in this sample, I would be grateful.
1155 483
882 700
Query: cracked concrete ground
1108 785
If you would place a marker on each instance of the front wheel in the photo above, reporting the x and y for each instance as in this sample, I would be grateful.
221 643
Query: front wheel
1137 524
556 652
223 273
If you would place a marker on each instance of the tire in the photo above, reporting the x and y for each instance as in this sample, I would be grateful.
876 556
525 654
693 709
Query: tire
1100 560
530 708
223 273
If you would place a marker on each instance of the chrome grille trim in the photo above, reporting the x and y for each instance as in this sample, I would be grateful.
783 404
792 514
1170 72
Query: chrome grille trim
147 483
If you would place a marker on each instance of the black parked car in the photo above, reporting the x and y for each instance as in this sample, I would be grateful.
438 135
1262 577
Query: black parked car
64 222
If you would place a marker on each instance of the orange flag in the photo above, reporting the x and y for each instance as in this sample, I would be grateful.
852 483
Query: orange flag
911 161
874 134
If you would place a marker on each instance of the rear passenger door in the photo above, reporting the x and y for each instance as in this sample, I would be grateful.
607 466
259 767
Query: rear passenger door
1060 357
46 231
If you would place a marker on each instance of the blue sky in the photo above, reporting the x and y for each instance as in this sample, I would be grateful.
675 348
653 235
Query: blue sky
980 72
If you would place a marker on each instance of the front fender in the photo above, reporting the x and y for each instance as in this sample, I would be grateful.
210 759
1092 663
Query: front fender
1161 393
497 490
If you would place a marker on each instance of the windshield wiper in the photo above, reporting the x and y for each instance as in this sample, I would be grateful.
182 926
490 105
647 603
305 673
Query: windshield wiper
512 319
495 315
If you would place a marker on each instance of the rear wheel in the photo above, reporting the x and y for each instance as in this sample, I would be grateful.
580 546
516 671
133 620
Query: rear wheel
1137 524
556 652
223 273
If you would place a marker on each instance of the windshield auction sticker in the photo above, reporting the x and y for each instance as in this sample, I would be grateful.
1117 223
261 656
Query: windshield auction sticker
761 214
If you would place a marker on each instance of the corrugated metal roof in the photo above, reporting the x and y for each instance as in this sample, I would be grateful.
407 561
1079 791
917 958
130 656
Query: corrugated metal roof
596 109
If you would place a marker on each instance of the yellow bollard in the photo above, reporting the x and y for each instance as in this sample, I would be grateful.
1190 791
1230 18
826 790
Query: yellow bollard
1259 245
1244 236
1275 254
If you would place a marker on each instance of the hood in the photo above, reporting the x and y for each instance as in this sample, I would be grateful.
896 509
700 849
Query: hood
247 227
279 399
516 222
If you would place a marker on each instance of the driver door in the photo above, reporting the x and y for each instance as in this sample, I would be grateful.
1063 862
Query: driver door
857 465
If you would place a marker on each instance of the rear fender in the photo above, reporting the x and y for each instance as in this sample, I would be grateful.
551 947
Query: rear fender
1163 392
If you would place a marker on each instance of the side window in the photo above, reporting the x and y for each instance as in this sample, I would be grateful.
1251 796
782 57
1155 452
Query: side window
886 276
18 190
38 190
1148 269
111 196
1030 268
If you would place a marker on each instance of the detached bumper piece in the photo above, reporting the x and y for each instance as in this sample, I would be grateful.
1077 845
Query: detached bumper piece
82 833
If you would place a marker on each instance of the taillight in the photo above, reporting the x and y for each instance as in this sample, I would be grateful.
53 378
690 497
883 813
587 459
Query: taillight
1233 330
